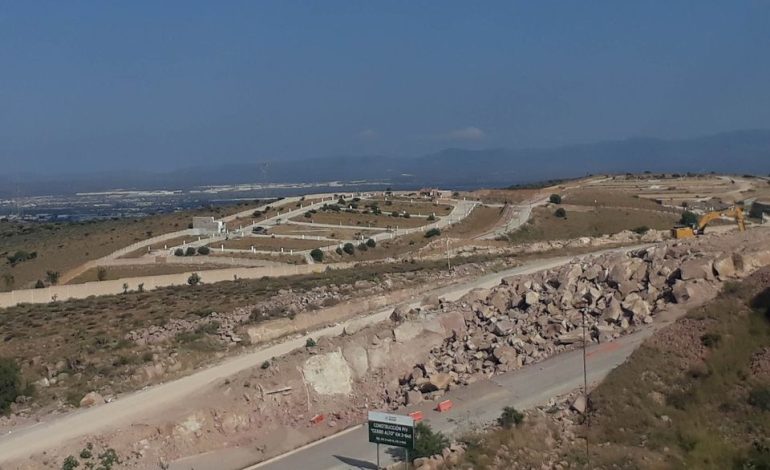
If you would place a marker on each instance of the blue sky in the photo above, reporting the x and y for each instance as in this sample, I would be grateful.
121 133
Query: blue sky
161 85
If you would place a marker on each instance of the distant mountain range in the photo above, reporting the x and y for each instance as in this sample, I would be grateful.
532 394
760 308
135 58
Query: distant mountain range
736 152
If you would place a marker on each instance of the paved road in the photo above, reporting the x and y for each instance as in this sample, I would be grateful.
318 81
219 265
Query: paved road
151 402
474 405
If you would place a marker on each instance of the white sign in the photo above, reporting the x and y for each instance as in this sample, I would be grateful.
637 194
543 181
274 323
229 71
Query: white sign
391 418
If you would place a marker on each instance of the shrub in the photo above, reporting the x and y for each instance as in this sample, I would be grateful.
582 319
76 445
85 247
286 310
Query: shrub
39 284
52 277
317 255
555 199
308 215
349 248
510 417
10 383
339 251
431 218
427 442
561 213
70 463
434 232
760 398
711 340
179 252
407 215
101 274
371 243
362 247
204 250
194 279
310 343
265 365
190 251
641 230
394 214
689 218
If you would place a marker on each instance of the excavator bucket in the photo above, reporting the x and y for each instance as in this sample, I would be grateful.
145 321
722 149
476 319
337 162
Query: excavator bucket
683 232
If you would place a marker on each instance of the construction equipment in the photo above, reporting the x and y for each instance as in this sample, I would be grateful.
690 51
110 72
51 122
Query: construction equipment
697 229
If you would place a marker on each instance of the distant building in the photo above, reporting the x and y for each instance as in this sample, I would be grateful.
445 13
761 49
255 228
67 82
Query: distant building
760 209
208 226
432 193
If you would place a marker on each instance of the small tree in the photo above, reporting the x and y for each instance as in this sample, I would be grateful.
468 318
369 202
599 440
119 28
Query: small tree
427 442
339 251
362 247
561 213
434 232
125 288
140 287
407 215
39 284
555 199
349 248
101 273
204 250
179 252
194 279
190 251
431 218
9 280
510 417
371 243
394 214
317 255
10 383
310 343
52 277
689 218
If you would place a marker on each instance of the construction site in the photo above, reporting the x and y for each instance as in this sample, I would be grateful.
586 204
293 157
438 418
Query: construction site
261 337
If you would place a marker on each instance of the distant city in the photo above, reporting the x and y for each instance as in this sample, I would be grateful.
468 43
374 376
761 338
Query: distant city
119 203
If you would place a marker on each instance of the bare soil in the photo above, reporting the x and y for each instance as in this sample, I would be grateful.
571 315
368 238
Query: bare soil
271 244
364 220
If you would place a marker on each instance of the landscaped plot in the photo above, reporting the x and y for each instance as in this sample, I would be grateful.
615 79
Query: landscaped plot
480 220
413 206
544 225
364 220
269 244
311 232
610 198
120 272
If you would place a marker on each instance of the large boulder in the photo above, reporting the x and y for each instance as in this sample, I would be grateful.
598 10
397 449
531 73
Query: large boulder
91 399
505 355
697 269
531 298
356 356
500 300
696 291
725 267
407 331
613 312
328 374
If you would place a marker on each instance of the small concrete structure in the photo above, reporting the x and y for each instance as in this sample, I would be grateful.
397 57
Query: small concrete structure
208 226
760 209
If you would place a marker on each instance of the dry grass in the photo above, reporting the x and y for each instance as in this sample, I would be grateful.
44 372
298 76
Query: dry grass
121 272
277 257
364 220
311 231
607 198
413 206
64 246
270 244
481 220
544 225
501 196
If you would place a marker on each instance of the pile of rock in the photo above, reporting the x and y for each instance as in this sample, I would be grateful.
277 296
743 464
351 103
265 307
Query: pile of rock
526 319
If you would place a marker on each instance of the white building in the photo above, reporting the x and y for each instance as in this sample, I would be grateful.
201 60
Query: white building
208 226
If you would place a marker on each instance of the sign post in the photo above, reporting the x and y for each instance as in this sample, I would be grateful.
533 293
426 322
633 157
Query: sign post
391 429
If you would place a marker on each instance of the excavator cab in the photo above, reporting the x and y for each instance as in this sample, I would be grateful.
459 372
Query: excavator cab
690 232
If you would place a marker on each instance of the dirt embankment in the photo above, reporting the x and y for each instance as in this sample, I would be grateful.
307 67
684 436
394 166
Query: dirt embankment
421 354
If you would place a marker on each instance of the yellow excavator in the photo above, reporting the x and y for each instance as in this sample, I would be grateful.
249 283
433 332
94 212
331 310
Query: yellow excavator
697 229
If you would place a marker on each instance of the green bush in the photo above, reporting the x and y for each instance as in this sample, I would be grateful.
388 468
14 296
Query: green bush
70 463
190 251
10 383
194 279
349 248
39 284
317 255
434 232
427 442
338 251
689 218
52 277
362 247
265 365
760 398
310 343
179 252
371 243
510 417
555 199
561 213
204 250
431 218
711 340
642 229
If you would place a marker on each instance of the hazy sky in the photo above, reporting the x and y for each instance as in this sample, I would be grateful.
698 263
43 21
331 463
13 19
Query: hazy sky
157 85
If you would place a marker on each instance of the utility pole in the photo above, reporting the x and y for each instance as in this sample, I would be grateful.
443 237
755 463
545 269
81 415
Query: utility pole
448 262
585 379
